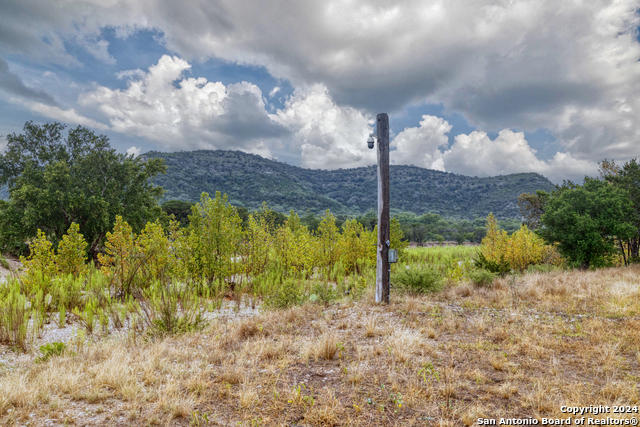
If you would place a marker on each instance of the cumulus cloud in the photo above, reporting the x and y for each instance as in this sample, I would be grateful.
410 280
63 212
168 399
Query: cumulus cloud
476 154
187 113
420 146
133 151
509 152
327 136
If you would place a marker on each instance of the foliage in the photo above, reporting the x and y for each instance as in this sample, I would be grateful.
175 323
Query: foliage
323 292
608 169
248 180
179 209
119 262
440 255
498 266
418 280
531 207
328 235
295 247
171 309
354 243
55 181
397 237
433 227
501 252
154 250
88 316
259 242
481 277
214 239
71 254
496 242
277 290
14 316
287 294
50 350
585 219
626 177
40 265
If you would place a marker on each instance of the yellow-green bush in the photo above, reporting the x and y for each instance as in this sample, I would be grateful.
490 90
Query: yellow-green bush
39 266
119 262
71 255
520 250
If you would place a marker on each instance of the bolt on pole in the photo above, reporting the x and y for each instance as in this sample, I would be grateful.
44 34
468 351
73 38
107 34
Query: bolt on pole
383 274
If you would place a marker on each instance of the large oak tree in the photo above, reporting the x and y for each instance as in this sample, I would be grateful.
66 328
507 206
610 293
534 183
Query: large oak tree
55 180
586 220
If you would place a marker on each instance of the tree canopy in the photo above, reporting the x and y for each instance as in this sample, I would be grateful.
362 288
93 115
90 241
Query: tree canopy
628 178
586 219
55 181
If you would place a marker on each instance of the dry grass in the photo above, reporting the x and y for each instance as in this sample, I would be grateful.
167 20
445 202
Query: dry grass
327 346
572 338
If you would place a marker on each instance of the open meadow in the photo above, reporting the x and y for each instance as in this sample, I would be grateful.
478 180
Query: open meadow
521 347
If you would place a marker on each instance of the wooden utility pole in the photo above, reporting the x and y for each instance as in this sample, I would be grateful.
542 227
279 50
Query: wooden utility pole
384 230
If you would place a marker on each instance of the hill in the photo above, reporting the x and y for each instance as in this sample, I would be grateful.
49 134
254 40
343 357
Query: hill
248 180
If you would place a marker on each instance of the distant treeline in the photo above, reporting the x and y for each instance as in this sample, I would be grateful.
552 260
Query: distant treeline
416 228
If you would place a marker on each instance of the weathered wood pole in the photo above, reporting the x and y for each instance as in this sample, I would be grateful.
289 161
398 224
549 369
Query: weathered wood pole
384 232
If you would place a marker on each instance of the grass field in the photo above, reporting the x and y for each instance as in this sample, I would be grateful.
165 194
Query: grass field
523 348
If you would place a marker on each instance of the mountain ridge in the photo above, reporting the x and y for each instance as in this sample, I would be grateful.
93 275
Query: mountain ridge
249 179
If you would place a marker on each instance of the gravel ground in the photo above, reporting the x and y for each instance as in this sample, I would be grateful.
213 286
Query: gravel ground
10 358
14 265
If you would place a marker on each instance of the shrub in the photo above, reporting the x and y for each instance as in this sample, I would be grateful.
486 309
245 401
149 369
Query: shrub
499 266
88 316
49 350
71 254
501 252
323 292
14 316
276 290
118 261
418 280
171 309
481 277
214 239
288 294
39 266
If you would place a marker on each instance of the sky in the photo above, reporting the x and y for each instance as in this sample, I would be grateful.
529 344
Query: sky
474 87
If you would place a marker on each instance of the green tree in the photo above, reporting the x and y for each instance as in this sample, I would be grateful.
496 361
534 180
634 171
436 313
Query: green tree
179 209
215 240
396 239
55 181
532 207
328 235
72 250
628 178
586 219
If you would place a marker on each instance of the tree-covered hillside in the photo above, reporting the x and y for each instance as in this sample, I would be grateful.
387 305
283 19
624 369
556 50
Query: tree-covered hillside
248 180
